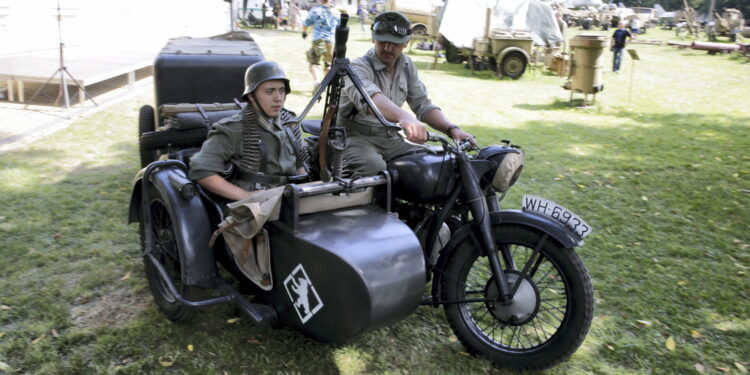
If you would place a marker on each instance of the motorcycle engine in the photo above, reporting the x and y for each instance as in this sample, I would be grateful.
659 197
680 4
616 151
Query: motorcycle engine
509 161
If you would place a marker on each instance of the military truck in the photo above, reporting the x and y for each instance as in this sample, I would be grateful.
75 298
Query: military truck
646 18
421 13
728 24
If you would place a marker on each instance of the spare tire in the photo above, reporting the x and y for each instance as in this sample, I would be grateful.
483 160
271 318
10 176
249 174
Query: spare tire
173 138
146 124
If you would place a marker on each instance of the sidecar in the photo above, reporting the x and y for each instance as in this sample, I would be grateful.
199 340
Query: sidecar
341 264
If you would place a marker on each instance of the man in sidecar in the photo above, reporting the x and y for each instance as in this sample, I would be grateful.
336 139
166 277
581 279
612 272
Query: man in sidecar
390 79
252 150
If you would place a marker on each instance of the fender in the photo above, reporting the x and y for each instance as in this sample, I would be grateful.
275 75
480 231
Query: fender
511 49
134 211
188 213
555 230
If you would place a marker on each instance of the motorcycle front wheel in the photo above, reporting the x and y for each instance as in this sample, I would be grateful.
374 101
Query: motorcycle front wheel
550 314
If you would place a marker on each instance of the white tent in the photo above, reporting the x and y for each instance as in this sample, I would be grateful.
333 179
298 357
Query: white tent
464 20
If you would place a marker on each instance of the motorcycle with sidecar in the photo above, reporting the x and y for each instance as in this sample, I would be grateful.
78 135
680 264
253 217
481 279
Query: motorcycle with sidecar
351 255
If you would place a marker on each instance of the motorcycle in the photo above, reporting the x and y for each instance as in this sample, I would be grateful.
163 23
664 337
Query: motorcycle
352 255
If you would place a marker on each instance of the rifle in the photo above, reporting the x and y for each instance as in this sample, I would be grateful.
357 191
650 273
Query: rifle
335 136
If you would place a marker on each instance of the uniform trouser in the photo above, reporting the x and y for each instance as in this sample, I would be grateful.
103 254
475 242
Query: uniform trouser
366 155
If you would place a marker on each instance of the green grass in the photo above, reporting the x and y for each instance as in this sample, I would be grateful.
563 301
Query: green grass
663 177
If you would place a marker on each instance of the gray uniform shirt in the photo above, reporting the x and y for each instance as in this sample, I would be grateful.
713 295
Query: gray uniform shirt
224 144
399 88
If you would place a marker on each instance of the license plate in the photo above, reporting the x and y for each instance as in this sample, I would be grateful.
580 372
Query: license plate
556 212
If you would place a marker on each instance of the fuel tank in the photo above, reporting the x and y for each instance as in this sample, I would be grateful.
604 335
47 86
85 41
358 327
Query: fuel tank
346 271
425 177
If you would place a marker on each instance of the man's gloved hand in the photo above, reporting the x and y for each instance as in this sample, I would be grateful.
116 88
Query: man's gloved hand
304 35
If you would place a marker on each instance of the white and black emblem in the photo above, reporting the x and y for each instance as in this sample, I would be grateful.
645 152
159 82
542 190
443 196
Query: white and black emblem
302 293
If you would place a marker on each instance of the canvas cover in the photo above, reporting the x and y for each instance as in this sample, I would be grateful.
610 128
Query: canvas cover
244 234
464 20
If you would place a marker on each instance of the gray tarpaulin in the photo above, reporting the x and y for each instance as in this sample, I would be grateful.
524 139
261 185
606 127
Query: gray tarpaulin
464 20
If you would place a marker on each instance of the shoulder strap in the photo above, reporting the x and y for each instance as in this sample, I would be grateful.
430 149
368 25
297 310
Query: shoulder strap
292 130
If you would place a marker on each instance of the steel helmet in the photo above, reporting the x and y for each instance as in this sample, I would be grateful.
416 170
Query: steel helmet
261 72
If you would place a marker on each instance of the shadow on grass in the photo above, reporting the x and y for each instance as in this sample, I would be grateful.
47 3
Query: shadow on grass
457 70
555 105
58 228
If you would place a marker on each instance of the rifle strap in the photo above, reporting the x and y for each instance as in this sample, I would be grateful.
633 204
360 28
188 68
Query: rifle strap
323 143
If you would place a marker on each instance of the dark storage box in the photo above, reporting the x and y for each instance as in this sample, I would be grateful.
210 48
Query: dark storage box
204 70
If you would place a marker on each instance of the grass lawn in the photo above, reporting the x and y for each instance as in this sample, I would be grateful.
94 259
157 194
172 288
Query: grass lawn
661 172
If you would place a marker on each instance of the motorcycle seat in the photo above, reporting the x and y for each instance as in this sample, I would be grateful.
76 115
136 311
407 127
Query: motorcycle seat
312 126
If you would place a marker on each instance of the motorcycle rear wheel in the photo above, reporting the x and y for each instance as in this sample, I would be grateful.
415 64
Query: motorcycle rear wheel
167 252
549 317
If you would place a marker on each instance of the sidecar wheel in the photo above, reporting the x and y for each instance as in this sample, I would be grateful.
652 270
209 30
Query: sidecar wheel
165 250
551 312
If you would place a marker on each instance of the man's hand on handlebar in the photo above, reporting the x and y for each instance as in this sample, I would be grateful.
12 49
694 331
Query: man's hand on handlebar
415 131
459 135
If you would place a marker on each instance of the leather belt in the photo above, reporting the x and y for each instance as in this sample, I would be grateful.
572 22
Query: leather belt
378 130
258 178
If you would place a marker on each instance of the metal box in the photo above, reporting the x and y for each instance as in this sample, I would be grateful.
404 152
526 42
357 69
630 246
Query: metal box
204 70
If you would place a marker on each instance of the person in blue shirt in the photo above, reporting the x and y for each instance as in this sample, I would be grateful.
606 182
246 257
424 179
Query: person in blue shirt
619 39
324 20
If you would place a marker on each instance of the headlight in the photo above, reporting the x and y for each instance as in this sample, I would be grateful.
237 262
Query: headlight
509 161
509 167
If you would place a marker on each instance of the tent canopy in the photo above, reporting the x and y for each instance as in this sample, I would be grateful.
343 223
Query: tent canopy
464 20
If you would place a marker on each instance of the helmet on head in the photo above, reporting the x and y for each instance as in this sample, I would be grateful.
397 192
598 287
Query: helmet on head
391 27
261 72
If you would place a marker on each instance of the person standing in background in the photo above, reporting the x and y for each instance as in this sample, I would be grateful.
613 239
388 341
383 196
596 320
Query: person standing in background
323 20
619 39
293 12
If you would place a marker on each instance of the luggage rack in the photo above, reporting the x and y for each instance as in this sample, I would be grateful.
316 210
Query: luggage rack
325 196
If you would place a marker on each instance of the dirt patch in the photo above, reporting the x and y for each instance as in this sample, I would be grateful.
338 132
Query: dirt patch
114 308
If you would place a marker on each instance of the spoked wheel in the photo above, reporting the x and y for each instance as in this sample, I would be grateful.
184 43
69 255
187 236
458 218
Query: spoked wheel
166 250
549 316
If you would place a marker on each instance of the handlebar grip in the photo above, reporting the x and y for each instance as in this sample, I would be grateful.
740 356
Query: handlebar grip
433 137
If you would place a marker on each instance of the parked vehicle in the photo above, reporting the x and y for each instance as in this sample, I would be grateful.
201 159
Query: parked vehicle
728 24
508 52
423 15
511 285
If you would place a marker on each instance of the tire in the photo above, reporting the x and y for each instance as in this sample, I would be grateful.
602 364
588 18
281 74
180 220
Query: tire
554 304
419 30
146 124
172 138
167 251
513 65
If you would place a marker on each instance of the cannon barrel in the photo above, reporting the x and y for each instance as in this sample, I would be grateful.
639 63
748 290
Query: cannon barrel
714 47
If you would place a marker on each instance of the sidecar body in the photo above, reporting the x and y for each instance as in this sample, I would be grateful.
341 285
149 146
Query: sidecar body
341 263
